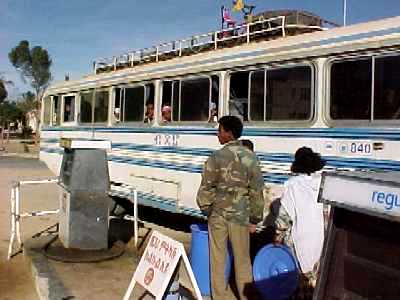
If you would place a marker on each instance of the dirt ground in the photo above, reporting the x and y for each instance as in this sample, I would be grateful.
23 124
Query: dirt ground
105 280
15 275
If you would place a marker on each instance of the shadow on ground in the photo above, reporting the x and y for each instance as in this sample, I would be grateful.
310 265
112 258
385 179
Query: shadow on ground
175 221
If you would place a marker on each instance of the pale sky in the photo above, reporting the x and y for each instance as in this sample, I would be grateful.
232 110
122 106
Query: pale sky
77 32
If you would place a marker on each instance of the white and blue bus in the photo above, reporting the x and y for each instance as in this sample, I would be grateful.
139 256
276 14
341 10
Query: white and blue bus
335 90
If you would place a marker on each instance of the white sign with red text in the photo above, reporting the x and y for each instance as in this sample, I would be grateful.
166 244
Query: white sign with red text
158 264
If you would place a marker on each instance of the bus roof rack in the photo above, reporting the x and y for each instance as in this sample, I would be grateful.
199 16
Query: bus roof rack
264 26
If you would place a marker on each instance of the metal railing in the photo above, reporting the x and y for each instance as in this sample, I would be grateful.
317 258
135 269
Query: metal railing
243 33
17 215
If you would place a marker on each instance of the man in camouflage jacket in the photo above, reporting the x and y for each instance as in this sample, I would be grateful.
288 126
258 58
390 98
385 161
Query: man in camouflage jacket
231 195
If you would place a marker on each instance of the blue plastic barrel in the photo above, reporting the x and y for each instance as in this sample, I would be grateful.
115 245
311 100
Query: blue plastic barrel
200 258
275 272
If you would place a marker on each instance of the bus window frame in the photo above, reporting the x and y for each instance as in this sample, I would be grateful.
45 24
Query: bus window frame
92 102
249 94
114 121
172 102
354 122
53 107
104 123
380 122
121 122
180 79
94 90
131 86
75 122
274 66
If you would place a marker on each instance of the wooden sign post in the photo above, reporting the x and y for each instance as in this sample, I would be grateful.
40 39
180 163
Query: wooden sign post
157 266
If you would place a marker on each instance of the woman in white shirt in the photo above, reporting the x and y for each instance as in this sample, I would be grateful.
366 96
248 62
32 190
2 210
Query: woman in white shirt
300 219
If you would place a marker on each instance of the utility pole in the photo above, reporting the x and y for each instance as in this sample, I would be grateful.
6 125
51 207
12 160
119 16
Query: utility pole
344 12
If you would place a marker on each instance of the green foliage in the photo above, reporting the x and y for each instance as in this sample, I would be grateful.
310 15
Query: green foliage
27 102
9 112
3 88
33 64
3 91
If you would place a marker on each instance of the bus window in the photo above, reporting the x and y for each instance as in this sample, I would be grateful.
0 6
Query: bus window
257 95
288 94
47 111
386 88
195 99
213 115
149 103
238 94
170 101
118 112
283 94
350 90
134 104
175 99
189 99
86 107
56 110
149 93
69 108
166 101
101 106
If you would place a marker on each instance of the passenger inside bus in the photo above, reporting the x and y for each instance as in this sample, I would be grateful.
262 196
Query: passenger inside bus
117 114
68 113
213 116
149 115
166 113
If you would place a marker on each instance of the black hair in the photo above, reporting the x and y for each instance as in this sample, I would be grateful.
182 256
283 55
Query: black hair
232 124
150 101
306 161
248 144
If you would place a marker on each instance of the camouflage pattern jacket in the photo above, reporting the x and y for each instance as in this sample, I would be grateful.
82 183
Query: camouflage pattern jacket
232 185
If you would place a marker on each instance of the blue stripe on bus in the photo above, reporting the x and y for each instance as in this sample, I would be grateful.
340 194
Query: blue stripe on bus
190 168
279 178
254 53
164 149
336 133
335 161
270 177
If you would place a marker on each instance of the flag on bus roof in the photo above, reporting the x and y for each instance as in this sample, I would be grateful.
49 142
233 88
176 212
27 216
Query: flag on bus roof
226 17
238 5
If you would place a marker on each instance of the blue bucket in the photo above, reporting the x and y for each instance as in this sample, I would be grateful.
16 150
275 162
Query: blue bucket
200 258
275 272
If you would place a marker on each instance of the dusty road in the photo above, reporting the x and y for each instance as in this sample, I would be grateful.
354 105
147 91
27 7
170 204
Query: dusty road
109 279
15 276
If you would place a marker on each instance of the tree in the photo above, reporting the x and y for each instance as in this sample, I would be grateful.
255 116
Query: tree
34 66
27 102
3 87
9 112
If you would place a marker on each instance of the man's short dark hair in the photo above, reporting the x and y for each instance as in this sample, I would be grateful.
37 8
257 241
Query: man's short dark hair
232 124
150 101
